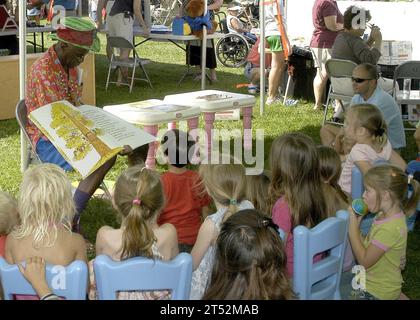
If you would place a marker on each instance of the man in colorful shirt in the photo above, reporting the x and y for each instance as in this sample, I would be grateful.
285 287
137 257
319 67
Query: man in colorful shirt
55 77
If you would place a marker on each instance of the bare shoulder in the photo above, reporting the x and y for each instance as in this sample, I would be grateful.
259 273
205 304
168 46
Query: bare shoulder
78 241
167 231
104 230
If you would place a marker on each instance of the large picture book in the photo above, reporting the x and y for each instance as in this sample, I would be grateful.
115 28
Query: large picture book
86 136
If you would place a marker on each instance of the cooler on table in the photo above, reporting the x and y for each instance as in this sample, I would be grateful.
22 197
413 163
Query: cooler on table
151 113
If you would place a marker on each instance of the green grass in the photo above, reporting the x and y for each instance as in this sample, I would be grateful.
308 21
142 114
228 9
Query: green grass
166 69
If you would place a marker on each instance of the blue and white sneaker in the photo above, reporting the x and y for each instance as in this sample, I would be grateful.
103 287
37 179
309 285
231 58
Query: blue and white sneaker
252 89
290 103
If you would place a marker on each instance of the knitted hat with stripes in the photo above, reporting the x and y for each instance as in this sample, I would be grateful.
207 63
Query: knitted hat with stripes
79 32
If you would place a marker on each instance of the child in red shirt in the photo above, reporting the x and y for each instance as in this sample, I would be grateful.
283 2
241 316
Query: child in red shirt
186 201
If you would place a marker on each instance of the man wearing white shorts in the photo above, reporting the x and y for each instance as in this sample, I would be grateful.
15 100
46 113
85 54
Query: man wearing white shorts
120 24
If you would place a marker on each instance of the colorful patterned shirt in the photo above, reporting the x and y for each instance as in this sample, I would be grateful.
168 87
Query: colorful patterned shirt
48 82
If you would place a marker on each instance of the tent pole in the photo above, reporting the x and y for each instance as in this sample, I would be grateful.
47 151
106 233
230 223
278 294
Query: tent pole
22 78
204 52
262 58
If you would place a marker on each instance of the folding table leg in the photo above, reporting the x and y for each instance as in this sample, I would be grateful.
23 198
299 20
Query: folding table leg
208 127
192 126
247 124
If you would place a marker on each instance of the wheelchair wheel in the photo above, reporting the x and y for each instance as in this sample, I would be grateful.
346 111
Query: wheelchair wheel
253 23
232 50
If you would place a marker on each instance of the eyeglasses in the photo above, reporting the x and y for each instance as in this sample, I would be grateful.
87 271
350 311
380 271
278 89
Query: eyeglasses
359 80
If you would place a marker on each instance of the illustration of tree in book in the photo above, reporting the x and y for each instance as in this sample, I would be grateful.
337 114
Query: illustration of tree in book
79 133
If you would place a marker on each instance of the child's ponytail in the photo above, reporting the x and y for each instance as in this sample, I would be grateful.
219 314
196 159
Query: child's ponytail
225 184
138 197
381 133
390 178
411 203
370 117
138 236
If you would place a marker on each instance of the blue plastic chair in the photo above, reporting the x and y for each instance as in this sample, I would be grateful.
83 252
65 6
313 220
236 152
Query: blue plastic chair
143 274
69 282
320 280
282 234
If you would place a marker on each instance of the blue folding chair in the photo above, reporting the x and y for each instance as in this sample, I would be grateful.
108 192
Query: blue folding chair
143 274
320 280
282 234
68 282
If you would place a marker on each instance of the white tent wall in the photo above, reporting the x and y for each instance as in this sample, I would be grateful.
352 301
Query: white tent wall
397 20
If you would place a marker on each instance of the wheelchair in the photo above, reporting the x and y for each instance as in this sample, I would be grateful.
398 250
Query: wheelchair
233 48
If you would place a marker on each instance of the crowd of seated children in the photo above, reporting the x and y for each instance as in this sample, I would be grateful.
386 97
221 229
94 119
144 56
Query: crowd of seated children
302 189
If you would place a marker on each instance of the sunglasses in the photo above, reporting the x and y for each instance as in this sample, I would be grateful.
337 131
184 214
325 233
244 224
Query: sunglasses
359 80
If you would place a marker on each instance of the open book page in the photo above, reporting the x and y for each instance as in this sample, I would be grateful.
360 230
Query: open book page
151 106
86 136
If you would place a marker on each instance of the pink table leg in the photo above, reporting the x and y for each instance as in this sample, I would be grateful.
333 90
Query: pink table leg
171 125
192 125
209 120
151 161
247 123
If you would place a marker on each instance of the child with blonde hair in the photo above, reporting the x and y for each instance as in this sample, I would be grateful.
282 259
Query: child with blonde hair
365 125
138 198
9 217
46 210
383 252
296 188
256 191
225 184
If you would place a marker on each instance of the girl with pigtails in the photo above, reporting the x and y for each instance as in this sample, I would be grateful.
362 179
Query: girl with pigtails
138 199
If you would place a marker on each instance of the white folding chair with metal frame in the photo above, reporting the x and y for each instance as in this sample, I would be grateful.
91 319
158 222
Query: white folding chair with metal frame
132 62
339 72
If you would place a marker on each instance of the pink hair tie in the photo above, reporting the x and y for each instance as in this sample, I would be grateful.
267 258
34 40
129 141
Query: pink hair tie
137 201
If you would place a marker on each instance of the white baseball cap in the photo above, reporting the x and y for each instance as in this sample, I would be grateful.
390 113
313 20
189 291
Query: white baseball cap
235 8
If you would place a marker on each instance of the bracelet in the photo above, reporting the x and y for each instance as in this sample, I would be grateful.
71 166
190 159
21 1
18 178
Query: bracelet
49 296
